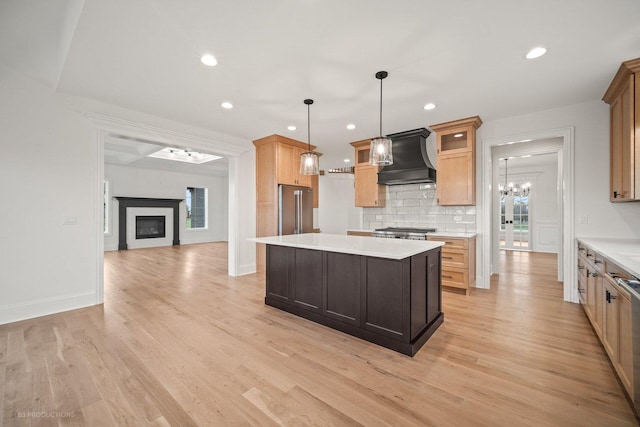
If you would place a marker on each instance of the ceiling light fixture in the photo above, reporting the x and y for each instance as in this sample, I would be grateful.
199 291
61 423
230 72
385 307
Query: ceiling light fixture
227 105
309 160
347 160
182 155
536 52
380 153
430 106
209 60
291 128
351 126
511 189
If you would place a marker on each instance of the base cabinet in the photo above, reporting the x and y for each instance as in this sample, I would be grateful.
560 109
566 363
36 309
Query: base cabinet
608 307
393 303
458 262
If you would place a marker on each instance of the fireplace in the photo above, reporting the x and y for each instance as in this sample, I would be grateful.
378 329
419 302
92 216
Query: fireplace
170 228
150 227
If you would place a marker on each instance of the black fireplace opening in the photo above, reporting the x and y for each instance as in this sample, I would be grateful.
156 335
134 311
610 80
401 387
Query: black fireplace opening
150 227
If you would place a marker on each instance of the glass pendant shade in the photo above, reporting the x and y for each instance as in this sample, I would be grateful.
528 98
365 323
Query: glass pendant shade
309 163
381 153
309 160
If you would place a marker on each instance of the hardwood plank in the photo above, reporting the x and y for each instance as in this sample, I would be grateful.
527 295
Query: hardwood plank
179 342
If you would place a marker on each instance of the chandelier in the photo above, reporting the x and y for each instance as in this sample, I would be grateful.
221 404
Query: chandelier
512 189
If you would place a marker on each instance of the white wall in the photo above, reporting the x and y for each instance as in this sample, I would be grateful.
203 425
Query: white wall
242 199
591 123
337 211
47 174
127 181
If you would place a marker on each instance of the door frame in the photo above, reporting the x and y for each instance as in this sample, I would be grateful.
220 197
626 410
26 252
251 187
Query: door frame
566 178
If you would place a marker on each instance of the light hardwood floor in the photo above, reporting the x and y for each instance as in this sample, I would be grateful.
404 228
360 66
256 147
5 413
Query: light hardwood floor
178 342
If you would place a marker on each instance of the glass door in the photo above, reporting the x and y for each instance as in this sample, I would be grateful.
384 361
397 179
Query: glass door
514 222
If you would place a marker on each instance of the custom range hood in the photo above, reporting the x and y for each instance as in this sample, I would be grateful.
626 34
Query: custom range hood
411 164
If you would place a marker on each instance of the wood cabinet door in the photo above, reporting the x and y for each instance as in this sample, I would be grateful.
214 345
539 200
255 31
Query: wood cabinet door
590 308
342 292
386 299
610 327
367 191
302 180
622 148
455 140
456 180
278 272
308 279
625 339
286 173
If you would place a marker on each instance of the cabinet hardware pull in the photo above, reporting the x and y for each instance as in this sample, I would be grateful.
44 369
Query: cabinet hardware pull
581 249
447 277
581 267
581 290
597 261
447 257
589 255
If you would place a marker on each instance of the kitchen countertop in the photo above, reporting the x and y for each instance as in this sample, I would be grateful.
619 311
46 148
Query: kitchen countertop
452 234
623 252
435 233
356 245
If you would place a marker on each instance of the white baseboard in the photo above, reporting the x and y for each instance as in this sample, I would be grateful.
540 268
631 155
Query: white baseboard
110 247
45 306
246 269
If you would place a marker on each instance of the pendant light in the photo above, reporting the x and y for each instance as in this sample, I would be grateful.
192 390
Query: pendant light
309 160
380 153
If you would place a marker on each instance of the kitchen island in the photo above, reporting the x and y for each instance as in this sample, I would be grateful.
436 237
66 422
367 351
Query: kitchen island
385 291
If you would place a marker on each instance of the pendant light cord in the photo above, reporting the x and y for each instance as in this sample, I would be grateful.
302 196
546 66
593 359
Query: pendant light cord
381 108
309 126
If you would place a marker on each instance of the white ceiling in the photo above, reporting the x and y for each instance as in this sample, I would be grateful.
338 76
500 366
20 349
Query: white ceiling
465 56
131 153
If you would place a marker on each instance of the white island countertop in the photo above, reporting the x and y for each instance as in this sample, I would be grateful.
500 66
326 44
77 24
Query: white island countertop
356 245
624 252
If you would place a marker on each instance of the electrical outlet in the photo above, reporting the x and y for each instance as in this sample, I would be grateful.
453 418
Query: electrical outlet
70 220
457 218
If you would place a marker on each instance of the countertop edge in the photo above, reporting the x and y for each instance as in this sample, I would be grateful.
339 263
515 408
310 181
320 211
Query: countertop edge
426 246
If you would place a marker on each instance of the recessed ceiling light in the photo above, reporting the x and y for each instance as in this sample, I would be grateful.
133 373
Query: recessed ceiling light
227 105
347 160
351 126
430 106
292 127
209 60
457 135
536 52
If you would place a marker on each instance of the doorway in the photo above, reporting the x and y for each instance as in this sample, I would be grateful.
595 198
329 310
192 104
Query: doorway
558 142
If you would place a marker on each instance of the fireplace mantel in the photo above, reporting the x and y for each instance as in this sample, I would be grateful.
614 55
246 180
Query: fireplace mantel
145 202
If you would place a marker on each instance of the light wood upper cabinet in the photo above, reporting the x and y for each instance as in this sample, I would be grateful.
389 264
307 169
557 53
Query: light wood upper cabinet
456 150
623 97
367 191
288 165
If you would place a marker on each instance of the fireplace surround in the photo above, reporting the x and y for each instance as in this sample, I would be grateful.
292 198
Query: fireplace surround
144 202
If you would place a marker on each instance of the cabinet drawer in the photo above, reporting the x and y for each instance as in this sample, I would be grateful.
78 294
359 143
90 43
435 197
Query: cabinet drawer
595 259
451 242
455 277
455 257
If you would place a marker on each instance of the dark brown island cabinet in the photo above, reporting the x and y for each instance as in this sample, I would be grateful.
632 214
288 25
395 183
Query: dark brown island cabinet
390 299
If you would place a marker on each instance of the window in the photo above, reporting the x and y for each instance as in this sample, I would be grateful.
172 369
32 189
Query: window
196 203
106 206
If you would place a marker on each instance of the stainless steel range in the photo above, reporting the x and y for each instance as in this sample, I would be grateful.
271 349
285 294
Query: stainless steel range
403 233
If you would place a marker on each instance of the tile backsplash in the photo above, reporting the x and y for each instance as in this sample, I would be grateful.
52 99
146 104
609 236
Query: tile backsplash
414 205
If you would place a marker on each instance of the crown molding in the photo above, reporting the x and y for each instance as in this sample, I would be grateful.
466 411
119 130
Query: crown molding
223 145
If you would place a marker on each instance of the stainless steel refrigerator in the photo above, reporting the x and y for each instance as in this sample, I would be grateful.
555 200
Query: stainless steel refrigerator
295 213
